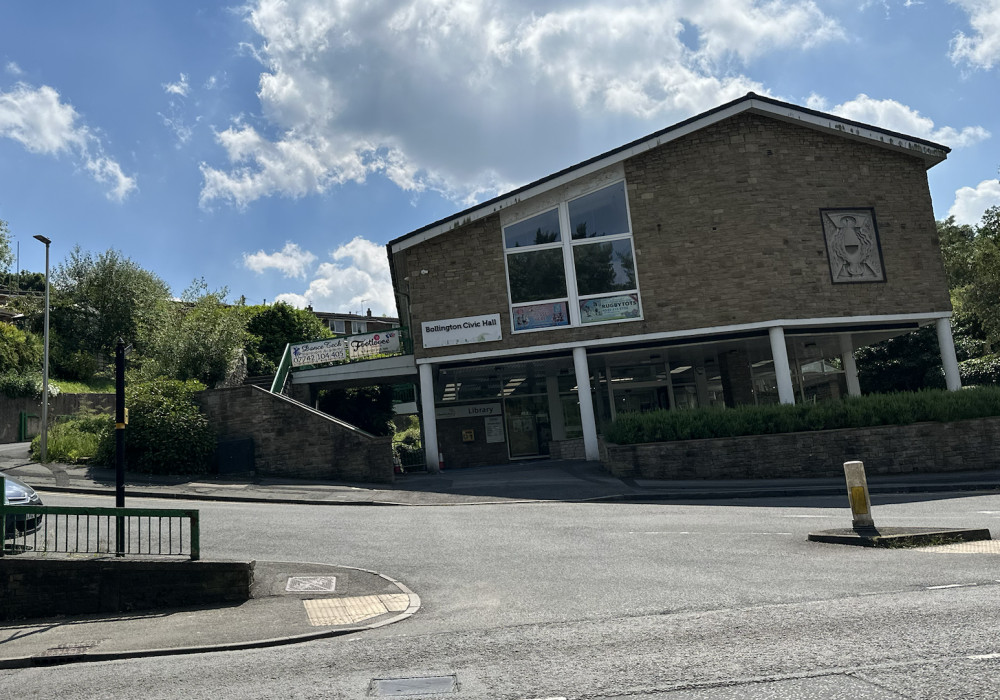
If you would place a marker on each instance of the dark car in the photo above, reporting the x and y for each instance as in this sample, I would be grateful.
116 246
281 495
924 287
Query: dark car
18 493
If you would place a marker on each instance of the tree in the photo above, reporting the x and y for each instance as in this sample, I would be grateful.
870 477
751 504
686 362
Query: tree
201 338
98 300
273 327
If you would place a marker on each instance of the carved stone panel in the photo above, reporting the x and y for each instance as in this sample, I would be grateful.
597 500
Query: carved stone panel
852 245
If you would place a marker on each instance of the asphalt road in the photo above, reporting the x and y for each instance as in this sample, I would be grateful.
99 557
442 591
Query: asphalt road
706 601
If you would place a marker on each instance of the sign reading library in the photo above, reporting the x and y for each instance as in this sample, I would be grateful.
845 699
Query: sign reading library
459 331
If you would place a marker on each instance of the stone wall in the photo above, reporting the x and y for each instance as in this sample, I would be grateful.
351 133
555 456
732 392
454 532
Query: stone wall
291 439
727 230
921 447
31 588
61 405
567 449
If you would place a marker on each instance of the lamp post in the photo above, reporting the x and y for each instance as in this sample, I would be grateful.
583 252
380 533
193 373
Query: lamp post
45 358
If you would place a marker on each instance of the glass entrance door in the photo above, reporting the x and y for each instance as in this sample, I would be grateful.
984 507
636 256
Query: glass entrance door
528 427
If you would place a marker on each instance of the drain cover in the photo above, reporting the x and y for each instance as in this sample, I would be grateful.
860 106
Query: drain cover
311 584
397 687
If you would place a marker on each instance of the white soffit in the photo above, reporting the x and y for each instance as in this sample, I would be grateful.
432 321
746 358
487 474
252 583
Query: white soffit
931 153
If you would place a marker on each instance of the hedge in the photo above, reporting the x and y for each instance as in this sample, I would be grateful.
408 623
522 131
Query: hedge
854 412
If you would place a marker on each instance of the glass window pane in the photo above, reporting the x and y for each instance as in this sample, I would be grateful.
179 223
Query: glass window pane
536 275
601 213
604 267
537 230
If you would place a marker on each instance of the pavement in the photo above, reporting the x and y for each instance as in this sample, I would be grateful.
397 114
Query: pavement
298 601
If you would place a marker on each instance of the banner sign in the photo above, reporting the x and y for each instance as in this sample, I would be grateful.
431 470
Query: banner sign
540 316
473 411
361 347
333 350
613 308
354 347
458 331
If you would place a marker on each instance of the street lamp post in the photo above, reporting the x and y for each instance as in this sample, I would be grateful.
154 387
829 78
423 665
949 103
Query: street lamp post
45 358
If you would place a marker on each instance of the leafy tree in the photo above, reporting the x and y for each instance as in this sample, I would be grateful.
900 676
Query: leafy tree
271 328
201 338
981 296
100 299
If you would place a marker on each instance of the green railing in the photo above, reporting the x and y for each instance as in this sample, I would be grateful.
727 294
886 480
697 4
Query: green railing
99 531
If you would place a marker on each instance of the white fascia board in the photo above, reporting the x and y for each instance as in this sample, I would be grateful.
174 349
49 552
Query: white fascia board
692 334
898 142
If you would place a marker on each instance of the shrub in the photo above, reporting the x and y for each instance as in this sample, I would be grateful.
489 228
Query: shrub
17 385
19 350
854 412
74 439
167 433
981 370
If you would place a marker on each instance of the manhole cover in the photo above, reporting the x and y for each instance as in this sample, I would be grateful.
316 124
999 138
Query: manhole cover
398 687
311 584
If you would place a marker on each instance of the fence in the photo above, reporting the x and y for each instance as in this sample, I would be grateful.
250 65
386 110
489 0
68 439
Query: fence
99 531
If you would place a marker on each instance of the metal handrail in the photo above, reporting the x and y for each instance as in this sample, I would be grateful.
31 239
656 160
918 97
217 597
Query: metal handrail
123 531
278 385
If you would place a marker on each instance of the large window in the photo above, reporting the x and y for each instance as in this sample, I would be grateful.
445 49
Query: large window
573 264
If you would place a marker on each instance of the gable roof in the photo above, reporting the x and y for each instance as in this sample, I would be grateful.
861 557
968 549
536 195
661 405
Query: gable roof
931 153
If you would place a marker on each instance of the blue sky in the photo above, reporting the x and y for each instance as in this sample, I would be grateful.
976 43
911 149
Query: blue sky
273 148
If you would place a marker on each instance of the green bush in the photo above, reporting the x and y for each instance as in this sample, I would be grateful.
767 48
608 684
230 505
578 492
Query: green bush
981 370
167 433
74 439
19 350
16 385
854 412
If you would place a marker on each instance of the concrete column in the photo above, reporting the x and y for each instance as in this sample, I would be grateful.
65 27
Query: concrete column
428 418
586 404
850 367
782 372
946 342
611 389
556 417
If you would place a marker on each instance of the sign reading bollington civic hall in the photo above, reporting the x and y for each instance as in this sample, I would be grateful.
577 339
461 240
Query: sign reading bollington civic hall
458 331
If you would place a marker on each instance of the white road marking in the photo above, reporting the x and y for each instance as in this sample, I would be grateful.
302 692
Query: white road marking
950 585
983 657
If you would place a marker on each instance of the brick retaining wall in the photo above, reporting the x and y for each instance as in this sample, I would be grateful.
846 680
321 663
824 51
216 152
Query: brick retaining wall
921 447
32 588
293 440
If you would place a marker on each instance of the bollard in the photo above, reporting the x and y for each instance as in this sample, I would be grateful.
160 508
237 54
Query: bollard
857 493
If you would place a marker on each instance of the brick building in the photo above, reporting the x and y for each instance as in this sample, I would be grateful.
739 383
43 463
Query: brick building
738 257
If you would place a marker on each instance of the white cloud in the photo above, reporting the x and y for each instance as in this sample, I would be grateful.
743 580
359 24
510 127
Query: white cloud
468 97
896 116
291 261
181 88
13 69
982 48
357 279
971 202
42 123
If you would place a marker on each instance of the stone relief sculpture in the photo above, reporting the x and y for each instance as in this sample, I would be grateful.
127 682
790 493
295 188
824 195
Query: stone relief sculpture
852 245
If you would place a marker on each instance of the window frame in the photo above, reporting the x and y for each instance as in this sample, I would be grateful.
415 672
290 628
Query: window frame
567 243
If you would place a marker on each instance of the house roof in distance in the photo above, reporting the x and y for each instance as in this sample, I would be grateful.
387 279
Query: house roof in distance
931 153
